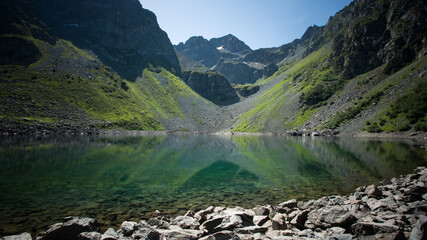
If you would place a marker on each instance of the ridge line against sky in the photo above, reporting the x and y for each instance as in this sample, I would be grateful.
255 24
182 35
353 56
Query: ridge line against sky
260 24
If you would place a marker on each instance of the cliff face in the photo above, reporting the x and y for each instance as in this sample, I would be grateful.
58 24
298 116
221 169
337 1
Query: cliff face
19 18
367 34
212 86
238 72
199 49
121 33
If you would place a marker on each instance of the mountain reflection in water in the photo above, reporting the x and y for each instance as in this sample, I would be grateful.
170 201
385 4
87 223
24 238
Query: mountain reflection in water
114 179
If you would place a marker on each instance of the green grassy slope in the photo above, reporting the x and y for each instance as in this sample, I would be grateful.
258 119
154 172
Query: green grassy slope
67 84
308 96
279 107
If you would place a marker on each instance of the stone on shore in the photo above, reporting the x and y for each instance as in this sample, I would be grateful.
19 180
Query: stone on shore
420 230
22 236
89 236
279 222
373 190
110 234
223 235
146 233
260 220
186 222
127 228
70 229
335 216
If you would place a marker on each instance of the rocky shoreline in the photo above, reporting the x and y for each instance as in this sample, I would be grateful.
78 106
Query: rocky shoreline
34 128
395 209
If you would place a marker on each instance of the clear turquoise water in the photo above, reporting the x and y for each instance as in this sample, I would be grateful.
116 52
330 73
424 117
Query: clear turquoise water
127 178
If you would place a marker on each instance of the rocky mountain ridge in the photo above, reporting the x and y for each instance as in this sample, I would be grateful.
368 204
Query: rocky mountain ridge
356 73
122 34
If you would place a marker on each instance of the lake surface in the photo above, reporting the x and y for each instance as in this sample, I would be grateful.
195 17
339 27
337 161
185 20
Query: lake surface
43 180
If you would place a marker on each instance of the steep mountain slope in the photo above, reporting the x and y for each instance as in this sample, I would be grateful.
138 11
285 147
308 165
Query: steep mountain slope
325 89
200 50
122 34
226 56
50 85
212 86
61 70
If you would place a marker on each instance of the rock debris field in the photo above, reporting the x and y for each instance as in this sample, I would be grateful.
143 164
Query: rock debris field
395 209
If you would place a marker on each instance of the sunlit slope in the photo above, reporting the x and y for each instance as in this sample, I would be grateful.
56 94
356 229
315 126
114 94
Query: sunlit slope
68 85
178 106
308 95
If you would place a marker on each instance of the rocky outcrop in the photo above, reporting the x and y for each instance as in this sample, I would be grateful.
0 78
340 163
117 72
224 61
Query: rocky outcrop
22 18
272 55
20 21
188 64
369 33
121 33
18 51
246 90
395 209
212 86
201 50
238 72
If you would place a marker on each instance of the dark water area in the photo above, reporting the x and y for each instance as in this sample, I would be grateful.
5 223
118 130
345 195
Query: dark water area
43 180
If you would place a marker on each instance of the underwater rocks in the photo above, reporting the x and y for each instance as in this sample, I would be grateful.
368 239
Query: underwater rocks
395 209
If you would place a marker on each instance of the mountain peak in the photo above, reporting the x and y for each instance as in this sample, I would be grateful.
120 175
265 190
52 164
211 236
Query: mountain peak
230 43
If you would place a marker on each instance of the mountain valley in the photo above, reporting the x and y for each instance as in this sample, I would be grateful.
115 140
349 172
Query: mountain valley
62 72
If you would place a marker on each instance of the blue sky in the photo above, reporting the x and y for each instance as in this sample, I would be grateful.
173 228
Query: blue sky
259 23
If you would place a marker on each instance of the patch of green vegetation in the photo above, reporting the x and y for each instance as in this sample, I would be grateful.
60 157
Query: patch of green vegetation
282 69
162 91
267 107
244 87
374 128
351 112
296 77
411 109
321 92
83 92
421 126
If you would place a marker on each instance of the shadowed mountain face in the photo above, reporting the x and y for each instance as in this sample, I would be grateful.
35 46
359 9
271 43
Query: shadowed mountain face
20 18
121 33
212 86
199 49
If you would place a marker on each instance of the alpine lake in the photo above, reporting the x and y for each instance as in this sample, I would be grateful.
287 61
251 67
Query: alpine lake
118 178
